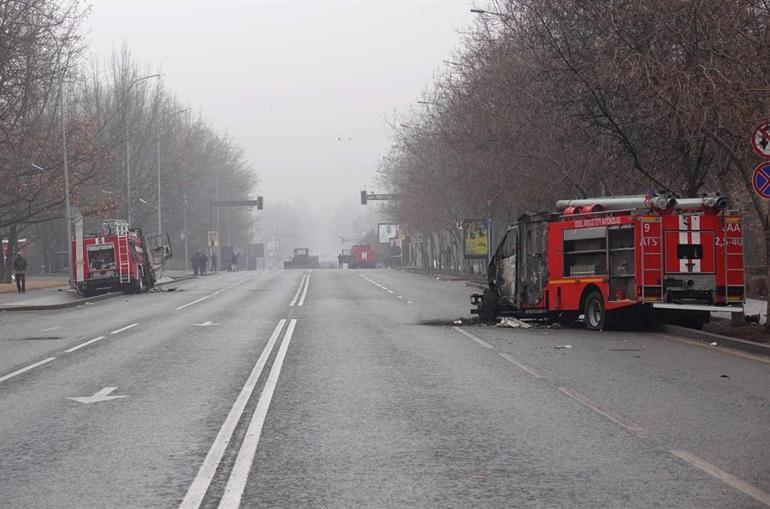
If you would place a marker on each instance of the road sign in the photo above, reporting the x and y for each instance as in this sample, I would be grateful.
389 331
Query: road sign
213 239
761 180
760 139
459 224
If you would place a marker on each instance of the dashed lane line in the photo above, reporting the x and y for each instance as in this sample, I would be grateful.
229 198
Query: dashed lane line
474 338
81 345
25 369
243 462
519 364
602 410
193 302
124 328
299 290
723 476
385 288
202 481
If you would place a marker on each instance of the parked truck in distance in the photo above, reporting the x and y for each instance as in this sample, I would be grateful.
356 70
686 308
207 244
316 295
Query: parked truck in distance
362 257
301 260
613 259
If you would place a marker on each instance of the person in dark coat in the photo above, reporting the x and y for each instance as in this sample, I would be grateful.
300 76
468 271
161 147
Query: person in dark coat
20 273
204 260
196 262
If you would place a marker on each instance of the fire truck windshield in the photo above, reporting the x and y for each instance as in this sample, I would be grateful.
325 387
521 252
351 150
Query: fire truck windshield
689 251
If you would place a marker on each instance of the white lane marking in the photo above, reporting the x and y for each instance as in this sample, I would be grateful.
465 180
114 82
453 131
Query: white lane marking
218 292
102 395
49 329
474 338
208 323
727 350
391 291
400 297
124 328
299 291
240 472
600 409
723 476
200 484
409 302
519 364
24 370
304 292
193 302
81 345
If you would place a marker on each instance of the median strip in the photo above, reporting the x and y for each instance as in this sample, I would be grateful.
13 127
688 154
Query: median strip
202 481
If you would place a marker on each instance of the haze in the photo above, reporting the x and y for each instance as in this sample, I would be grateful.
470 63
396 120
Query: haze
304 87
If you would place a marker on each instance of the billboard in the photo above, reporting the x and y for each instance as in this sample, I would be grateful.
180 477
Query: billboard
475 238
387 231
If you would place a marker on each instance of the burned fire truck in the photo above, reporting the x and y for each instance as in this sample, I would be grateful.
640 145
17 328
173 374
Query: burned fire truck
362 257
115 258
620 258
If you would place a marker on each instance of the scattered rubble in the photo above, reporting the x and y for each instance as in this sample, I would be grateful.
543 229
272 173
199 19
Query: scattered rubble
513 323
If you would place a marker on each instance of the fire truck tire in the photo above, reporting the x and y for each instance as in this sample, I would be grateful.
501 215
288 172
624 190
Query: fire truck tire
594 313
488 307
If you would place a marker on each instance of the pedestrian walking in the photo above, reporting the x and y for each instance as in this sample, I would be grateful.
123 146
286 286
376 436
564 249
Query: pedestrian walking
339 259
204 260
234 261
194 262
20 273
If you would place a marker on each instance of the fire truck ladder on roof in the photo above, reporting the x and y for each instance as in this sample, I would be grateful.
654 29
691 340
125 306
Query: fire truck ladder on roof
654 251
124 263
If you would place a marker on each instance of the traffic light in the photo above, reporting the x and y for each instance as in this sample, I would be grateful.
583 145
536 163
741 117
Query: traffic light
259 203
363 197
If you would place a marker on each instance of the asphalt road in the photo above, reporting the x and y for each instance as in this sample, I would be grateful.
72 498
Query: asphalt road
356 388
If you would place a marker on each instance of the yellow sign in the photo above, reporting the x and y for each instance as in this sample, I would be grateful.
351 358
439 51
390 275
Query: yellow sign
475 238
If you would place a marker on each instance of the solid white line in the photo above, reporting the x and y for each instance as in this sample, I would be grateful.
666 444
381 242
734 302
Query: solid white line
50 329
200 484
124 328
723 476
600 409
390 291
304 292
193 302
240 472
23 370
474 338
299 290
520 365
81 345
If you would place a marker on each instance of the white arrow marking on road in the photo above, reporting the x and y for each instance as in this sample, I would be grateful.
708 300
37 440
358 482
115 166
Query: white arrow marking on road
102 395
205 324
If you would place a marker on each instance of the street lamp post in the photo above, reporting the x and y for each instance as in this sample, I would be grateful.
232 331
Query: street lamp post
160 213
128 143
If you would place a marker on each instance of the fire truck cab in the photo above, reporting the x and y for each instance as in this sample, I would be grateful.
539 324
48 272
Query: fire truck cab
362 257
114 258
607 258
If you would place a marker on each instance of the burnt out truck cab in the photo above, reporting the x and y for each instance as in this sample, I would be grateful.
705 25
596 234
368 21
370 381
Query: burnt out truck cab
605 258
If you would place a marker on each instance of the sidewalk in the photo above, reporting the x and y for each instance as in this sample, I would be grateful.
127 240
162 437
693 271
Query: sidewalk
63 297
36 283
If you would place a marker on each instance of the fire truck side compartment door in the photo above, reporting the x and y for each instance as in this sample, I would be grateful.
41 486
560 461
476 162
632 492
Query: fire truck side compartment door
531 263
505 260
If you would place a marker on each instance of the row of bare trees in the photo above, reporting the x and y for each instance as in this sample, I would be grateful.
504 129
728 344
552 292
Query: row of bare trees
107 115
551 99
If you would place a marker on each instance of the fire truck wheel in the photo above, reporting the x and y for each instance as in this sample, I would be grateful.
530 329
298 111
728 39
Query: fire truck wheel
594 312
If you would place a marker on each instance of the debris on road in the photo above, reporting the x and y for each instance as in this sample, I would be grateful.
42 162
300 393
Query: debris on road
562 347
458 322
714 343
724 376
513 323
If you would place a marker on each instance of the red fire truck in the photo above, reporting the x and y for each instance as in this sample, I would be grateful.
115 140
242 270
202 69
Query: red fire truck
114 258
618 258
362 257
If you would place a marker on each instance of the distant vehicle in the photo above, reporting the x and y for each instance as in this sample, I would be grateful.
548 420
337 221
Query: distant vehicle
302 260
613 259
362 257
115 258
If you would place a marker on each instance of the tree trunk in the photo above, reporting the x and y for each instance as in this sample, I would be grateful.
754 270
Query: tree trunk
13 241
767 276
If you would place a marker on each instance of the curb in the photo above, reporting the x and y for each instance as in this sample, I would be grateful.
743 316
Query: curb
726 341
444 277
79 302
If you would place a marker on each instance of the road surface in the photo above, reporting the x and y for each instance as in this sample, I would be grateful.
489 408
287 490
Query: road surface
356 388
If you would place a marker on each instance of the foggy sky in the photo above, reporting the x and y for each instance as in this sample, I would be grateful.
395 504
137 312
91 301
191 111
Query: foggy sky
286 79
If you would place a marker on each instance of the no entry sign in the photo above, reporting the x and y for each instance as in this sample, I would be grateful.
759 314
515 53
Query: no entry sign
760 139
761 180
